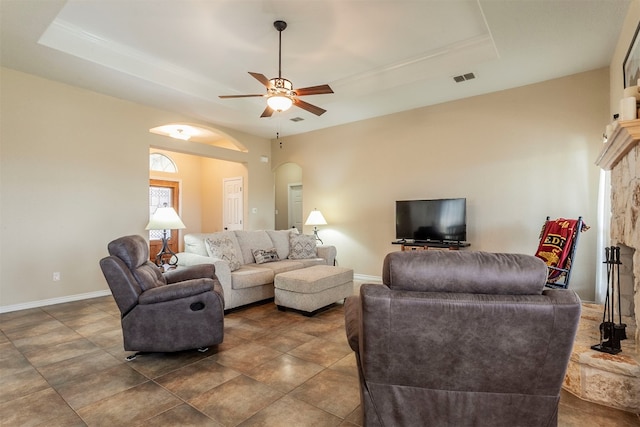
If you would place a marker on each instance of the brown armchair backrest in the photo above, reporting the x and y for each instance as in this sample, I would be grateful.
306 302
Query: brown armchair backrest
465 338
129 272
464 272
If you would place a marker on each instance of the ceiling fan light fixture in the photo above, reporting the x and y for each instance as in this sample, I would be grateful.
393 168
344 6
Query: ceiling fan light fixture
279 102
180 134
280 94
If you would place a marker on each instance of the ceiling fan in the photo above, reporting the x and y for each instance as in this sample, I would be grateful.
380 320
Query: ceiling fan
280 92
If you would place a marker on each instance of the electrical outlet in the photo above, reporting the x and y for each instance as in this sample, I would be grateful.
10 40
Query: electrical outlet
56 276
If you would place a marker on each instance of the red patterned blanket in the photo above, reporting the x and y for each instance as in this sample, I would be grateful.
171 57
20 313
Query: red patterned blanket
556 239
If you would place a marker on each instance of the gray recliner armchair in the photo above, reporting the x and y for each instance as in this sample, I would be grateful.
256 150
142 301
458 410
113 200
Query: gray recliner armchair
461 338
178 310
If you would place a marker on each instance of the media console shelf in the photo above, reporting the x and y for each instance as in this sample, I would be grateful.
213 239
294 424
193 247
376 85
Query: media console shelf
424 246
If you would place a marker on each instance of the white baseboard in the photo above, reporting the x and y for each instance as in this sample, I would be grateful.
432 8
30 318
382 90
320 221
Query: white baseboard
43 303
52 301
367 279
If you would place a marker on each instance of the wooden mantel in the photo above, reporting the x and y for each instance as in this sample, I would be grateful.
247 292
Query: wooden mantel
623 138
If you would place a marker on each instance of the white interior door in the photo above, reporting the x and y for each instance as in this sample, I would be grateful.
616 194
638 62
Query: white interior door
233 211
295 206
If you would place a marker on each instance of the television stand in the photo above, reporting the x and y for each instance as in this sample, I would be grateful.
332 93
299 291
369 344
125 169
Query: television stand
425 246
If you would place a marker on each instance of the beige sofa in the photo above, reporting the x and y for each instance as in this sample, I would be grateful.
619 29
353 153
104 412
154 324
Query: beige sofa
247 262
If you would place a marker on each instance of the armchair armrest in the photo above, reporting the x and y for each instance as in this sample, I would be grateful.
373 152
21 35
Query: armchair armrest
177 291
352 321
192 272
221 268
327 252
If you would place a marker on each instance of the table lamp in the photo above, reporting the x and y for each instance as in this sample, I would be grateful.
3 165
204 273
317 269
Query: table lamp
165 218
315 218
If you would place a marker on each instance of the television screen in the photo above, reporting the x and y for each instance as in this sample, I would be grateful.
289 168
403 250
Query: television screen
441 220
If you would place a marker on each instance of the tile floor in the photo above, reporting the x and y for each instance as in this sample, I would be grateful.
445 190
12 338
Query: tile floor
63 365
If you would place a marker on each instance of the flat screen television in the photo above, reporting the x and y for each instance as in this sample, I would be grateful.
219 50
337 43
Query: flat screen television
438 220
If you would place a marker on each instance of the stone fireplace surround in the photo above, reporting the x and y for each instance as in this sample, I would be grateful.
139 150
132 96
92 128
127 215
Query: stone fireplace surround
614 380
621 155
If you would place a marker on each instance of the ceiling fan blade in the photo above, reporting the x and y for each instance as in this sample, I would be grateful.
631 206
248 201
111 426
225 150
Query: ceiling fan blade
262 79
267 112
313 90
310 108
240 96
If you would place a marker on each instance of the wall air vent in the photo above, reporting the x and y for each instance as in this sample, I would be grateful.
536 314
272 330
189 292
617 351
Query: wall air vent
297 119
464 77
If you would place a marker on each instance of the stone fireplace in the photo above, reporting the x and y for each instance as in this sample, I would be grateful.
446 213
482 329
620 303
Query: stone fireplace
608 379
621 155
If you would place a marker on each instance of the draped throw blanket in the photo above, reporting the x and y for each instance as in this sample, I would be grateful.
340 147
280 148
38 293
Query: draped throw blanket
556 241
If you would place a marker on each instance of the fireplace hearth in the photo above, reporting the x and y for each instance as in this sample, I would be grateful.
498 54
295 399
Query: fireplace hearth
607 379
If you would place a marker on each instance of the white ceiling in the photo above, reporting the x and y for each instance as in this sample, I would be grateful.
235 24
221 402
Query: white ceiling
379 56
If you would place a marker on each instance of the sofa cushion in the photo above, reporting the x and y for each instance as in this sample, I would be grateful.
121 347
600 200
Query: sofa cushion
221 246
265 255
464 272
251 240
302 246
308 262
280 239
282 265
194 243
251 275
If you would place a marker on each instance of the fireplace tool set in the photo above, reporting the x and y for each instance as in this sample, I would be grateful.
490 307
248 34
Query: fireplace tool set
611 333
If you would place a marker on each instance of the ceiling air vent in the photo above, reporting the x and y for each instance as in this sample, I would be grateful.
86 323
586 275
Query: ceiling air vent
297 119
464 77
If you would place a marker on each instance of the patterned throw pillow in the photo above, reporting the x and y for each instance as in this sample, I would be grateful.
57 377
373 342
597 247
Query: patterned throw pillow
222 248
302 246
265 255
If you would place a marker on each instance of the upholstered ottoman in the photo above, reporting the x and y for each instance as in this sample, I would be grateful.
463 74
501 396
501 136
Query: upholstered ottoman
312 288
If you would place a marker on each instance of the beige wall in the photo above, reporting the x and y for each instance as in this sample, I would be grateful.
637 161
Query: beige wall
74 174
285 175
616 79
516 155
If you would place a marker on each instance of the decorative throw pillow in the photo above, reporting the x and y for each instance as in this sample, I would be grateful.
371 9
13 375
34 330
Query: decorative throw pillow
265 255
302 246
222 248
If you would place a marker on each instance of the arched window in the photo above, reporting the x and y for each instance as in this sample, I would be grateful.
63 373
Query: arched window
161 163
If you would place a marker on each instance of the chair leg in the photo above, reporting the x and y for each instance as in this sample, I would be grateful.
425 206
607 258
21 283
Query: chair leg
133 356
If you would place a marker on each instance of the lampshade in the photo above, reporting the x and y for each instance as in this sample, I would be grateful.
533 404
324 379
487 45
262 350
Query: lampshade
315 218
165 218
279 102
